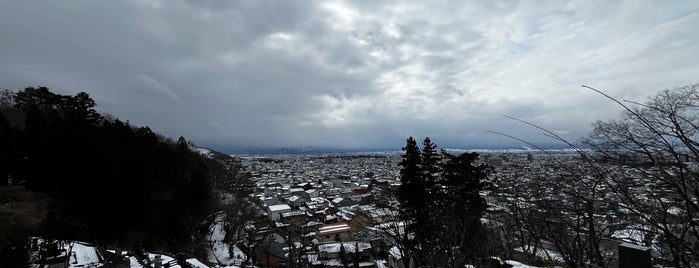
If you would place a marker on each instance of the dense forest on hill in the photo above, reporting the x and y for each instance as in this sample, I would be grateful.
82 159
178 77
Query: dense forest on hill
69 172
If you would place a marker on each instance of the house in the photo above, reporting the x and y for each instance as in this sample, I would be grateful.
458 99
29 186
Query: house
345 213
274 212
294 217
297 191
337 254
395 259
317 205
361 190
312 193
274 200
328 218
306 186
332 191
295 201
360 220
270 253
378 183
272 188
343 202
377 215
339 231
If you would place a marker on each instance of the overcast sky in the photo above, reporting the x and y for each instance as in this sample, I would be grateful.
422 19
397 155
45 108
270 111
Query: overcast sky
351 73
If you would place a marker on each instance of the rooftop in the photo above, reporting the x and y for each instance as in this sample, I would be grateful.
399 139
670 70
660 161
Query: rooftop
334 228
279 207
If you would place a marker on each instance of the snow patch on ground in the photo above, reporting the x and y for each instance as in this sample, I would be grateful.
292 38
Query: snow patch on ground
82 255
134 263
202 151
196 263
163 260
516 264
166 259
220 253
543 253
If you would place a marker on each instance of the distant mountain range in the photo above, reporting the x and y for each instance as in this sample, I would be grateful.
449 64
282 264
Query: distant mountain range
315 150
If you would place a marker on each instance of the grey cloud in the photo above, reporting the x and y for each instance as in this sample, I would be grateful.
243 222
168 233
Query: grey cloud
354 73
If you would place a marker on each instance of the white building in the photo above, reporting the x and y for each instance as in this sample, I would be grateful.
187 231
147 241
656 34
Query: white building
274 212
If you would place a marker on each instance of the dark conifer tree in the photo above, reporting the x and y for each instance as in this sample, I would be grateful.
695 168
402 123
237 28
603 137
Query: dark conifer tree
440 198
7 153
409 173
79 111
460 203
411 193
463 181
430 165
430 157
107 180
40 97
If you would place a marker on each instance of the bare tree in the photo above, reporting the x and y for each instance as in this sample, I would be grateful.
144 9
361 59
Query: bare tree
559 211
645 163
393 229
238 213
658 141
522 221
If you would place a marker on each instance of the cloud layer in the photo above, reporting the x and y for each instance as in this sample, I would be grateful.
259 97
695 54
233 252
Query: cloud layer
351 73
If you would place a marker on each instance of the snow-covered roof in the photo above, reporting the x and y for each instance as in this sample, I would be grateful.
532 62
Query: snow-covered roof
293 213
334 228
367 264
350 246
312 223
317 199
281 207
634 246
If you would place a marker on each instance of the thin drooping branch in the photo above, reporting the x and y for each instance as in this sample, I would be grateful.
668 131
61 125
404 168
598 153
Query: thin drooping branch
660 131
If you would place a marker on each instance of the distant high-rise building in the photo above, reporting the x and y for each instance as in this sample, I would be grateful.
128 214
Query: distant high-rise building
329 159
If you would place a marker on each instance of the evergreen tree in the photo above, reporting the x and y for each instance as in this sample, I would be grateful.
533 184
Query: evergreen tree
7 153
107 180
79 110
440 198
462 203
462 181
412 185
430 165
40 97
411 194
